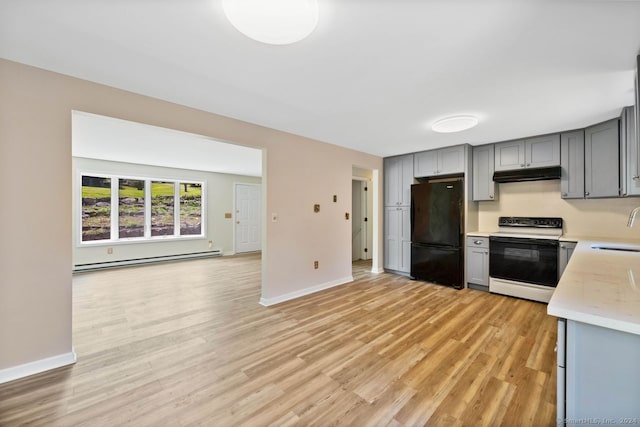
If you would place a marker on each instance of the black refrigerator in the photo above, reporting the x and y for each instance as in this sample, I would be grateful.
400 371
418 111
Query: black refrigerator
436 232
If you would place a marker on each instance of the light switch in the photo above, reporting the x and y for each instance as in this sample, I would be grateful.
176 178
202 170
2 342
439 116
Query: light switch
316 208
335 198
346 215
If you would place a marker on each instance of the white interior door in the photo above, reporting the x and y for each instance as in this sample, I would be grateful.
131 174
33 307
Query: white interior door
247 218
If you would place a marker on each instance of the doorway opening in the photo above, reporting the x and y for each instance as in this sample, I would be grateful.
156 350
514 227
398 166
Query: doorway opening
362 219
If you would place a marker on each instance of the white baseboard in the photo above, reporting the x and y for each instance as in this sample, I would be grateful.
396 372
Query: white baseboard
32 368
376 270
302 292
228 253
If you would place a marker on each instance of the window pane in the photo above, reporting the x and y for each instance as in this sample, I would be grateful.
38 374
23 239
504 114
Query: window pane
130 208
162 194
96 208
190 208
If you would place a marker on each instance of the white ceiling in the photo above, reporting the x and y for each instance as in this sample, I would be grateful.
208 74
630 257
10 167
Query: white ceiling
374 74
107 138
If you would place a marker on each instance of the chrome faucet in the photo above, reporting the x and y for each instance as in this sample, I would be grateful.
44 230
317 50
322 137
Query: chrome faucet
632 216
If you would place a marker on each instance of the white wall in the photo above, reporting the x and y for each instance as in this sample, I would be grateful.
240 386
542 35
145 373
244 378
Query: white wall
219 199
593 217
35 224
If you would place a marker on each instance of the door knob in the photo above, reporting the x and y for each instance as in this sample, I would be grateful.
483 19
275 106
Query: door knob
237 222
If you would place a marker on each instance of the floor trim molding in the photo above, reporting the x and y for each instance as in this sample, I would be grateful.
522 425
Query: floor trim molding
302 292
376 270
38 366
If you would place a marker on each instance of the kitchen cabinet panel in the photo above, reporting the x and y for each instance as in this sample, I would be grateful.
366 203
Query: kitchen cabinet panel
478 263
542 151
398 177
445 161
426 163
572 162
509 155
601 368
602 160
538 152
397 239
484 187
564 254
630 163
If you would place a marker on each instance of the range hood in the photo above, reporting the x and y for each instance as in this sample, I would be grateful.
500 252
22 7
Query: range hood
529 174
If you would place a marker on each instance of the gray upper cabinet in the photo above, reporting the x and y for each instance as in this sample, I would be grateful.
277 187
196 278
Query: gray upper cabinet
509 155
572 162
398 177
484 187
602 160
445 161
541 151
630 159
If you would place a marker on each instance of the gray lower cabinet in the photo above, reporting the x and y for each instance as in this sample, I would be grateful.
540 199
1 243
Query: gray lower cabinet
397 239
478 263
630 162
564 254
445 161
538 152
572 162
601 372
484 188
602 160
398 177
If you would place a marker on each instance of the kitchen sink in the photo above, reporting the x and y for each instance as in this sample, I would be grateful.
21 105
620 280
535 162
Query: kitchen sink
614 247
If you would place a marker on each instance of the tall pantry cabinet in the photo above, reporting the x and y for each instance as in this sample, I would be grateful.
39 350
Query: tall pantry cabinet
398 177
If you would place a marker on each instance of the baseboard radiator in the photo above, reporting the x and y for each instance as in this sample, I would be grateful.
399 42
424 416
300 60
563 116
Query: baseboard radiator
147 260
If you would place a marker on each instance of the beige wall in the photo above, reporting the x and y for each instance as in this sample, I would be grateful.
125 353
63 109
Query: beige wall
35 156
594 217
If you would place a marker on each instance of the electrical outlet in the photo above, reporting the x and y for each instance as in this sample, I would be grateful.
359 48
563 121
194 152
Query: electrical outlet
109 251
210 244
315 264
346 215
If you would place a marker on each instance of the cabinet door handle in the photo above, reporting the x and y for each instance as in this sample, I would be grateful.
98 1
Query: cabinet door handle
477 242
562 246
564 194
528 164
586 193
491 196
522 165
635 178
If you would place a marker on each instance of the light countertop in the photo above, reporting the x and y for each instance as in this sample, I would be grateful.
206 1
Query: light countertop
600 287
479 233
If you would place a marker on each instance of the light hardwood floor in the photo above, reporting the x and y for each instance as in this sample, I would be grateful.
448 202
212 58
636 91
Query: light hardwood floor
186 343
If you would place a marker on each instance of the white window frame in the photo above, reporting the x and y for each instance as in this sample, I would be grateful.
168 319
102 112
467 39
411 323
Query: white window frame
115 226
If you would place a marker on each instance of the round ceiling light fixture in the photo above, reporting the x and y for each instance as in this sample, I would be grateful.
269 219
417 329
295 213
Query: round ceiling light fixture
273 21
454 124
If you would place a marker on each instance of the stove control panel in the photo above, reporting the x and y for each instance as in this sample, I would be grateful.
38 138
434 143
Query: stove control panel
536 222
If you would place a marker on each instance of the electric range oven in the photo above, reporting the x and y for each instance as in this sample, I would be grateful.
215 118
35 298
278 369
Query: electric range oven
523 257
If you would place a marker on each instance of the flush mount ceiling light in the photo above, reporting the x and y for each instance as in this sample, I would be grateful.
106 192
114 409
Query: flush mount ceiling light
273 21
454 124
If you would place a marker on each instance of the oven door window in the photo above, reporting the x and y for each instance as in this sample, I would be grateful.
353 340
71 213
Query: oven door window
524 260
